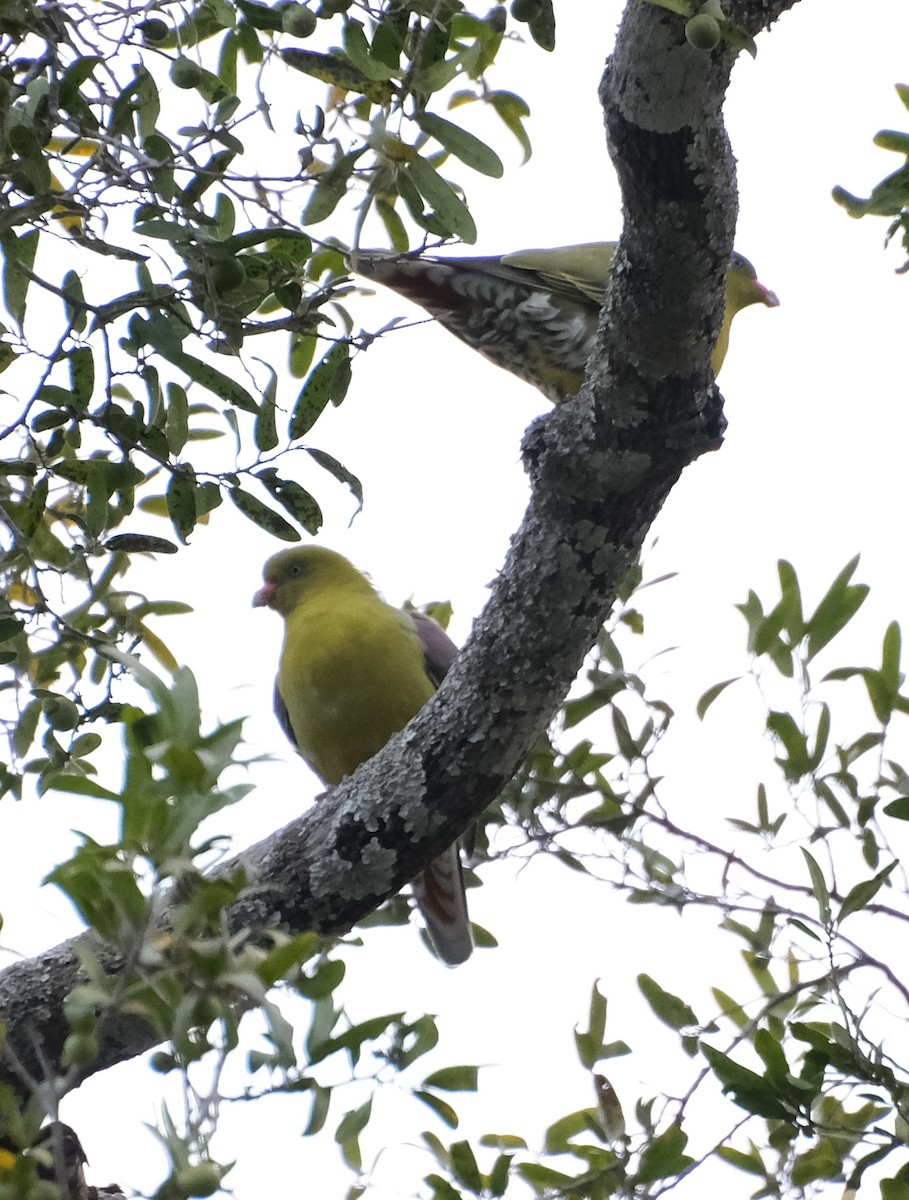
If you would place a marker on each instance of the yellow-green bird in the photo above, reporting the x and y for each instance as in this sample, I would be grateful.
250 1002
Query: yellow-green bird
534 312
353 671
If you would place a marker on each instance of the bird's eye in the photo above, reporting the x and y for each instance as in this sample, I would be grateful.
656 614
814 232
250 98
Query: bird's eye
295 569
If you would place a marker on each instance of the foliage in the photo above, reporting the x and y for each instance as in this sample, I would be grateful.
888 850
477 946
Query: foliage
890 197
707 25
157 166
817 1088
154 267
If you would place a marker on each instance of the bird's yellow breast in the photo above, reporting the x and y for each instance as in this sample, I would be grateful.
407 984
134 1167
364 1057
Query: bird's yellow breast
351 675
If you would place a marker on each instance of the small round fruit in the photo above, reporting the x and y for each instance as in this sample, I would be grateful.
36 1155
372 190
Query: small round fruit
154 30
703 32
198 1179
185 73
227 275
80 1050
163 1062
299 21
526 10
61 713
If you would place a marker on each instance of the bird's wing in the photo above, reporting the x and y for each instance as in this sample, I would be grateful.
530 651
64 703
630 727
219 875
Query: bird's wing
567 270
572 272
439 651
284 721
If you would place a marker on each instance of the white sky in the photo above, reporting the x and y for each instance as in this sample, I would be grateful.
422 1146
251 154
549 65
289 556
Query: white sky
812 470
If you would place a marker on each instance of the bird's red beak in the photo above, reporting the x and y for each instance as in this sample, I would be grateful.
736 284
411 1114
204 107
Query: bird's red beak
771 299
264 596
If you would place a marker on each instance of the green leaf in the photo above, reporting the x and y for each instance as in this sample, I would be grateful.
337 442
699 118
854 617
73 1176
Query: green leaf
176 421
139 543
440 1107
453 1079
340 73
542 26
360 53
796 762
499 1175
301 505
463 145
544 1179
394 226
442 1189
559 1134
79 785
330 189
745 1162
512 110
464 1166
347 1135
863 893
181 502
837 608
321 1099
663 1156
820 1161
265 431
263 516
898 809
82 375
19 260
671 1010
818 886
771 1052
283 959
712 694
889 139
328 381
327 978
750 1091
590 1042
160 335
731 1008
447 205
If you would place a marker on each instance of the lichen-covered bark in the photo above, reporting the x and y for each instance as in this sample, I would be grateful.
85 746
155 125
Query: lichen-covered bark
601 467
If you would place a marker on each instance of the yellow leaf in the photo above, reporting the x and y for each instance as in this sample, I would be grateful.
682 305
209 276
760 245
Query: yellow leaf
71 221
22 593
80 147
157 648
157 505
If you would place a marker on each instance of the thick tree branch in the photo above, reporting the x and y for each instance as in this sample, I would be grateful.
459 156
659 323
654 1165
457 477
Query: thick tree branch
601 467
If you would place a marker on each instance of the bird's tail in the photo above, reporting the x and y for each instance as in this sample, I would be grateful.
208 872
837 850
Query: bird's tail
440 897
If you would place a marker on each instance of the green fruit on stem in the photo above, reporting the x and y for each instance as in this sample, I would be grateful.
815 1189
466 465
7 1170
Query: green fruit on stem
61 713
703 32
154 30
299 21
185 73
526 10
80 1050
227 275
199 1179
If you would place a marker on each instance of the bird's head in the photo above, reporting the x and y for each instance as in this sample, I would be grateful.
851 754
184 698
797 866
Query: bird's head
743 287
301 571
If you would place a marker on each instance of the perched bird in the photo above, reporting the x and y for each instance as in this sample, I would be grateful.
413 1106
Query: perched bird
353 671
534 312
